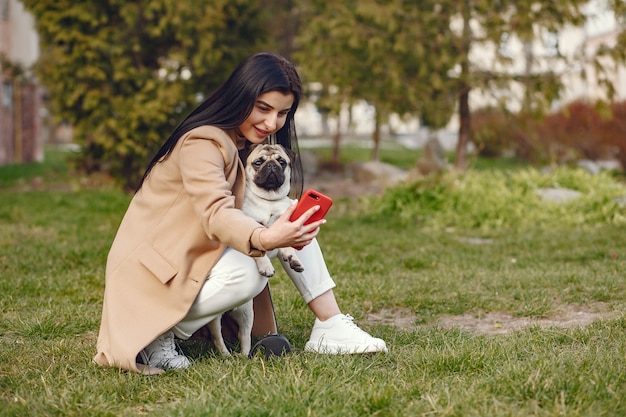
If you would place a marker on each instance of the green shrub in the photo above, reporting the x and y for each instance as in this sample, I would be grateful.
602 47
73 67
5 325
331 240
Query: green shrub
495 199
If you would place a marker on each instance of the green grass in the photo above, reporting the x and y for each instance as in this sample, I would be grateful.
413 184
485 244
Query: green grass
53 246
392 152
54 169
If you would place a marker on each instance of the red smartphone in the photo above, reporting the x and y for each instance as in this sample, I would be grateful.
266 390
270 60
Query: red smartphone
312 198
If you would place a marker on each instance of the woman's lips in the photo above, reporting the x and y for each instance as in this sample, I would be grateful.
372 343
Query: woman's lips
261 133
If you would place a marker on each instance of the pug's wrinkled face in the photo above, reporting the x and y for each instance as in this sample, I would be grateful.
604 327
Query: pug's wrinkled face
268 171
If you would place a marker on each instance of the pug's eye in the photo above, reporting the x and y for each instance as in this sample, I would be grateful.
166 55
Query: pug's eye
282 162
258 162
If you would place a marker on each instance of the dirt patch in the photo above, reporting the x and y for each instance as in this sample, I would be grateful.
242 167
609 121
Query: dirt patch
338 186
400 317
493 323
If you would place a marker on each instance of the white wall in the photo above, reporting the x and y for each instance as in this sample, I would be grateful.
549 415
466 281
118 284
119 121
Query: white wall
18 38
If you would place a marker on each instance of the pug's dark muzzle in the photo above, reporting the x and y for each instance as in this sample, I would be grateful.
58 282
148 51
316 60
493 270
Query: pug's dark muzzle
270 176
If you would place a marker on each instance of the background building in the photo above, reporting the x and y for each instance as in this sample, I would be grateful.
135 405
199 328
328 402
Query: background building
20 96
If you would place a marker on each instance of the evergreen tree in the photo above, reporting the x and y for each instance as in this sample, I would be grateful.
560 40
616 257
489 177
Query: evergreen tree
124 73
390 53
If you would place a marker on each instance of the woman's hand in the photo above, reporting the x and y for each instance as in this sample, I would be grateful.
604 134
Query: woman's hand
284 233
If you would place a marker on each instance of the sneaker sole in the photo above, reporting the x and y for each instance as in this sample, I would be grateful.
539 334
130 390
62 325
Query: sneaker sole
342 349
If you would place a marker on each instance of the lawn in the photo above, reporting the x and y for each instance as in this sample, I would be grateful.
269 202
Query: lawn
55 231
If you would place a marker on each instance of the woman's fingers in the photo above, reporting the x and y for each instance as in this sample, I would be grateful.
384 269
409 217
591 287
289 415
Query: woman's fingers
285 232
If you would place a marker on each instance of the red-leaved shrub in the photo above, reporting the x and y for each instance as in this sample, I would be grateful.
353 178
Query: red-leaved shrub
580 130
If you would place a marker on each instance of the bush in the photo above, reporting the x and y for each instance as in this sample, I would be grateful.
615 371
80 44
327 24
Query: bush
490 133
576 127
497 133
613 133
580 130
503 200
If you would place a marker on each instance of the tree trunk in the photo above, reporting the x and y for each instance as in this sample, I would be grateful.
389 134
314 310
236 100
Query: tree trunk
336 143
460 162
17 121
376 137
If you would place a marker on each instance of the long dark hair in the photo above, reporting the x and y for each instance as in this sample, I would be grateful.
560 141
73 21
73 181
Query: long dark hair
229 106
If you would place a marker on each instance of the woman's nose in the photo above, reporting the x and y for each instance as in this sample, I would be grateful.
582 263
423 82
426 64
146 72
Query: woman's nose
270 122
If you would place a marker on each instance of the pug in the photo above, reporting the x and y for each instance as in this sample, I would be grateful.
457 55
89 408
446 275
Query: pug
268 181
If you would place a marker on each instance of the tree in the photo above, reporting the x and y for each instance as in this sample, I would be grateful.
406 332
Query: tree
422 57
533 25
124 73
375 50
283 24
606 60
326 64
489 25
393 54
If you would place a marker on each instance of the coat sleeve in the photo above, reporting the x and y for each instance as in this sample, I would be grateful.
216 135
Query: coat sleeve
209 170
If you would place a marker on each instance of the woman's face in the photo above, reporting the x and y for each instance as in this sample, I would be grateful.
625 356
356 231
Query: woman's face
268 116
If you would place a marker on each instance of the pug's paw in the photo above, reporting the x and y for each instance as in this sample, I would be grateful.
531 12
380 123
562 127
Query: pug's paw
289 255
265 266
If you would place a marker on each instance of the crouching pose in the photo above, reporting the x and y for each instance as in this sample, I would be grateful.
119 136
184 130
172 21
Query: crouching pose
184 252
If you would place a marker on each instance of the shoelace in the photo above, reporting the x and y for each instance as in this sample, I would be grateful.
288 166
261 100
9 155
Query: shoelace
350 321
167 346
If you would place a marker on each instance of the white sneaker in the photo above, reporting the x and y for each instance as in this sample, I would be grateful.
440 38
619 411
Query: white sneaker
162 354
339 335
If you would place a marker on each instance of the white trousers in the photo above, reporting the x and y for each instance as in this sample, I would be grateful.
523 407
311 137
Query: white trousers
235 279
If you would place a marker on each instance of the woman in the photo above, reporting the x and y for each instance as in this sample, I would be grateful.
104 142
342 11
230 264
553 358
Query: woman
183 251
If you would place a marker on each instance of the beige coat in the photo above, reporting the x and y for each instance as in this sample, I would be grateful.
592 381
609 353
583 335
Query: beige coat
175 229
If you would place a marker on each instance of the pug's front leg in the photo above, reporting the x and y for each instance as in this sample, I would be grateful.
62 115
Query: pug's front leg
290 256
265 266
